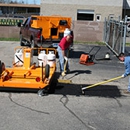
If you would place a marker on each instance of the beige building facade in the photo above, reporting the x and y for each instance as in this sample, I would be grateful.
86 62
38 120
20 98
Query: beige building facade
87 15
99 8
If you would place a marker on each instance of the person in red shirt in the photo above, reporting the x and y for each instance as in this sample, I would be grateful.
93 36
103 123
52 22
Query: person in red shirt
62 50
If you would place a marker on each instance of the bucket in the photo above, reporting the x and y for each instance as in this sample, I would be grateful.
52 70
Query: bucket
67 32
107 56
51 59
18 57
42 58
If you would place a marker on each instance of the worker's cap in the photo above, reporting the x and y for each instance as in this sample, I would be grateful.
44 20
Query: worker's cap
121 54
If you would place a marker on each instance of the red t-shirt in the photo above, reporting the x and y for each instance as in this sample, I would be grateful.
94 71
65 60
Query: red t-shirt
64 44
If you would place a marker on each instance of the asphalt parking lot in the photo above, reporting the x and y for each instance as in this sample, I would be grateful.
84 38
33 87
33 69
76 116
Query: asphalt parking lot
104 107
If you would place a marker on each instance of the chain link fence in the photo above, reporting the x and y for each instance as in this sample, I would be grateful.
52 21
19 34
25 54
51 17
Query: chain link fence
115 35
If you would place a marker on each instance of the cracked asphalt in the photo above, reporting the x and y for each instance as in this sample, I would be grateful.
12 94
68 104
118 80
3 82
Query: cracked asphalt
104 107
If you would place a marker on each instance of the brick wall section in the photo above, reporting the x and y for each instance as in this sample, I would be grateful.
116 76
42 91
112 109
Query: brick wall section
9 32
83 31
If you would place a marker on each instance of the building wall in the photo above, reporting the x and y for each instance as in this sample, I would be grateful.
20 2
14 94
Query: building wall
85 2
9 10
69 7
9 32
84 30
88 31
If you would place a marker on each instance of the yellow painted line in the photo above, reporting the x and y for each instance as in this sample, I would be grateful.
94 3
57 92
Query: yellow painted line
64 81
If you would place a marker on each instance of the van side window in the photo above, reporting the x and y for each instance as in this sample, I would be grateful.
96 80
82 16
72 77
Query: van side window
25 23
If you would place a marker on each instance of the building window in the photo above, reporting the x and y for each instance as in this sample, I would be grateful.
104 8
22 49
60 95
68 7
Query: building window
87 15
111 16
98 17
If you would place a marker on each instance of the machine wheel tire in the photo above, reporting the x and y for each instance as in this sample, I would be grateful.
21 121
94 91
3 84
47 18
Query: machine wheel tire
42 92
47 71
0 67
53 84
21 40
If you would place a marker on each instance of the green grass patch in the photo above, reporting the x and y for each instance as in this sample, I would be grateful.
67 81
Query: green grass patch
9 39
127 44
94 43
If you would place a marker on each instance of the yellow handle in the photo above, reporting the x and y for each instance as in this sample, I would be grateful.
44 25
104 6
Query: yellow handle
66 61
102 82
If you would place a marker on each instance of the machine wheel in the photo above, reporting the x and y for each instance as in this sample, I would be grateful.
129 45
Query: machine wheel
21 40
0 67
42 92
53 84
47 71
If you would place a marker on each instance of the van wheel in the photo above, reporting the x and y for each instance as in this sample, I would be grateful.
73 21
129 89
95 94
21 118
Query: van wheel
21 40
32 44
34 51
47 71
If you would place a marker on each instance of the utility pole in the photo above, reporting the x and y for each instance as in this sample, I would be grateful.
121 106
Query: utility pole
26 1
34 2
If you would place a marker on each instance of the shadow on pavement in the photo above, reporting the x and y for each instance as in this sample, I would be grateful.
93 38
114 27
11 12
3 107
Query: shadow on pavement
110 91
75 54
78 72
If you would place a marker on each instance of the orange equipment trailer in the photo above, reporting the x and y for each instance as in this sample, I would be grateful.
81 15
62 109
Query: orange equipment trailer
52 26
25 73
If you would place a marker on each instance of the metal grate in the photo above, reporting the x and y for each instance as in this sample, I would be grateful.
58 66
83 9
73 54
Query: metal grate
115 35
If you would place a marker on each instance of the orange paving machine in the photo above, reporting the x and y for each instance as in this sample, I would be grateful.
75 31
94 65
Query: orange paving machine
25 73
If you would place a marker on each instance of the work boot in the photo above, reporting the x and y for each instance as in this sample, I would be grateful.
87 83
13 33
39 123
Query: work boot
67 71
126 92
63 73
